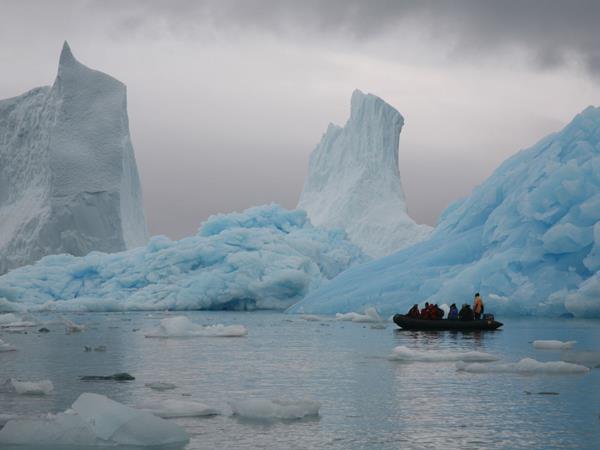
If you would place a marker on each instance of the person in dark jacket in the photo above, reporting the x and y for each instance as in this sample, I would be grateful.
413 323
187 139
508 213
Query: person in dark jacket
466 313
439 312
414 312
426 312
453 313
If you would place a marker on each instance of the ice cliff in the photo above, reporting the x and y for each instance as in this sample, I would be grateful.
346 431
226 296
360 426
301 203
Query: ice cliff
528 239
264 258
68 177
354 180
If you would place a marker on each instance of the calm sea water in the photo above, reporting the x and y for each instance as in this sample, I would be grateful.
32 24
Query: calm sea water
367 400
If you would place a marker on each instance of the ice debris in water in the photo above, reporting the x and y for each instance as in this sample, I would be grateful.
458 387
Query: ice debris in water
528 239
11 320
72 327
402 353
311 318
43 387
524 366
264 258
587 358
265 409
553 345
371 315
161 386
6 347
93 420
173 408
181 326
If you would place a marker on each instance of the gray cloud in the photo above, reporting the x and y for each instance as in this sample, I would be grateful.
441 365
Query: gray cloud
553 32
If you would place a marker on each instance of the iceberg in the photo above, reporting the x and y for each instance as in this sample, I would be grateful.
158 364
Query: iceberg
354 181
43 387
527 239
68 177
264 258
553 345
93 420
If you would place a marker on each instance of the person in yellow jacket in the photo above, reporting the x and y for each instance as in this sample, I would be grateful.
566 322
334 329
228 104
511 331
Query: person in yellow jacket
478 306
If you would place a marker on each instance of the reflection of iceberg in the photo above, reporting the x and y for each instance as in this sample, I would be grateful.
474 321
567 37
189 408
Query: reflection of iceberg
264 258
527 239
93 420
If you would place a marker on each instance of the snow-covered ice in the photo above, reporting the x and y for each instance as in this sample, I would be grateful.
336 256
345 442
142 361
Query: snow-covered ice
72 327
354 182
525 366
403 353
12 320
553 345
68 177
528 239
370 316
181 326
283 409
42 387
93 420
264 258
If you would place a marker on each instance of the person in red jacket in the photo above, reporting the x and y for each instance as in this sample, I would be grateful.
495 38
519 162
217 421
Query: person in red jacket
432 312
414 312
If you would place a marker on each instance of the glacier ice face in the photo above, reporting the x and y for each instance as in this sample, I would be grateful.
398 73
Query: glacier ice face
68 177
354 182
264 258
528 239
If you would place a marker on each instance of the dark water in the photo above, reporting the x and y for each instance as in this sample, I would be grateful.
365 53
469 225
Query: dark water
367 400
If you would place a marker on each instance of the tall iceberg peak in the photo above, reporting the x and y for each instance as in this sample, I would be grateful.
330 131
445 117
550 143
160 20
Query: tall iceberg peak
68 177
354 180
528 239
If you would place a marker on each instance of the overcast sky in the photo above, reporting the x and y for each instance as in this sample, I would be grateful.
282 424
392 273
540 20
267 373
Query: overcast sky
228 98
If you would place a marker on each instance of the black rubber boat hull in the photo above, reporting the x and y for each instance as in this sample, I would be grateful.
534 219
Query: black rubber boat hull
408 323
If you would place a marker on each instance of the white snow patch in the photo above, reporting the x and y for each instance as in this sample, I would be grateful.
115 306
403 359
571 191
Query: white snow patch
553 345
264 409
181 326
402 353
525 366
94 420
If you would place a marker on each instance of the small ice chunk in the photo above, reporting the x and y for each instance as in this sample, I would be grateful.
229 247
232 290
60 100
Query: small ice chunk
43 387
264 409
553 345
311 318
72 327
402 353
94 420
525 366
6 347
370 315
589 358
181 326
172 408
161 386
11 320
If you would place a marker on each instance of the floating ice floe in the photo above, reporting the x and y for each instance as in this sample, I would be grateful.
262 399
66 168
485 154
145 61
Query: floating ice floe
181 326
93 420
161 386
525 366
589 359
6 347
264 409
370 315
402 353
72 327
172 408
11 320
42 387
311 318
553 345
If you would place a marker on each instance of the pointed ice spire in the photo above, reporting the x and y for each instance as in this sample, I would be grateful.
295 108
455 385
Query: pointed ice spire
66 56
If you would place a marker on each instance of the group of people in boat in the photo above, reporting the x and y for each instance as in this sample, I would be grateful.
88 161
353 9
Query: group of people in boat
434 312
